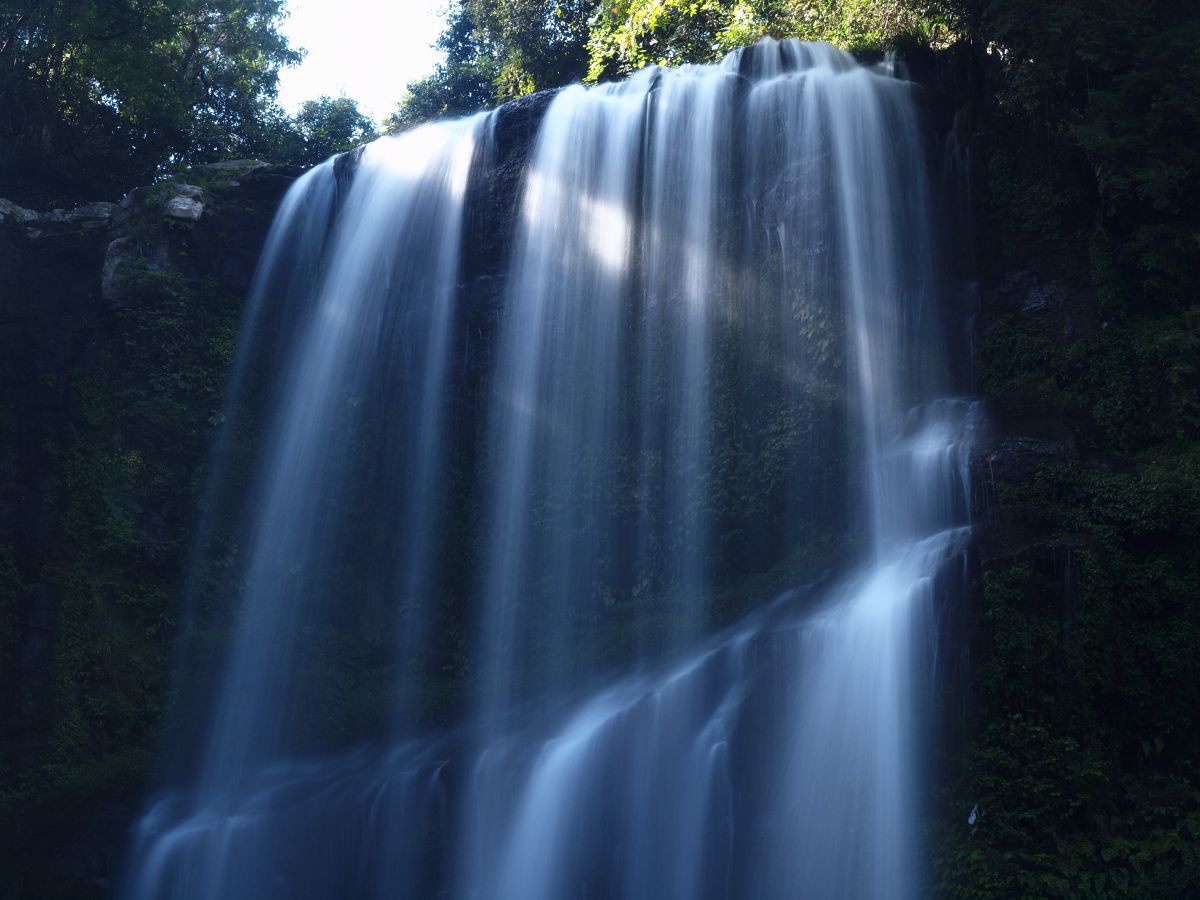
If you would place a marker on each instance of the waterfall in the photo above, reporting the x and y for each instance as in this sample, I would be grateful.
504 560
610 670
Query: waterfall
666 504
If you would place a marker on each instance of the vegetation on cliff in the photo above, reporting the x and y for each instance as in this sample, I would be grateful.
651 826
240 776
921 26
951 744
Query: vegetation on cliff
1081 744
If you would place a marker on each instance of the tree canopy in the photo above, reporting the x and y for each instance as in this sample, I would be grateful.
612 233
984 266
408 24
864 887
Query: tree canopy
98 94
497 50
462 84
631 34
323 127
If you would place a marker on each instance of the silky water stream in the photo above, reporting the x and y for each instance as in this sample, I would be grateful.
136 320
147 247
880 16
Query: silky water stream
714 364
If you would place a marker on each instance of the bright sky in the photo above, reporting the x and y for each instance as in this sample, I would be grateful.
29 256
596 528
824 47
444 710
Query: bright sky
366 49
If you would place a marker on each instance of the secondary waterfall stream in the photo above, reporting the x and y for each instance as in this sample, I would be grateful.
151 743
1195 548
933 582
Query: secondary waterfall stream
600 498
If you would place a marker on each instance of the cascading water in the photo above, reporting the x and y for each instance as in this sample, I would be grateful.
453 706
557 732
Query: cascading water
714 363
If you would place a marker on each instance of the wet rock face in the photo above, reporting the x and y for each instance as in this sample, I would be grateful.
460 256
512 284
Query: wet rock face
1014 448
142 248
491 210
495 185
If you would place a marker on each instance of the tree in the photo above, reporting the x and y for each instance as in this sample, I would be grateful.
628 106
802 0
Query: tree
497 50
540 43
101 94
629 34
330 125
462 84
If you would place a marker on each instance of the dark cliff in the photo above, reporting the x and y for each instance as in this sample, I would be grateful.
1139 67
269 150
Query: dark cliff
117 325
1073 723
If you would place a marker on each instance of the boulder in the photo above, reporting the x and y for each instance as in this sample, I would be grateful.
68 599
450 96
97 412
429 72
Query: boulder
127 263
10 213
183 208
92 215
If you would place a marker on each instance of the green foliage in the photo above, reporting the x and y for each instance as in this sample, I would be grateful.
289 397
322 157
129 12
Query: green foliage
327 126
496 51
1132 381
98 94
629 35
462 84
1081 760
538 43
